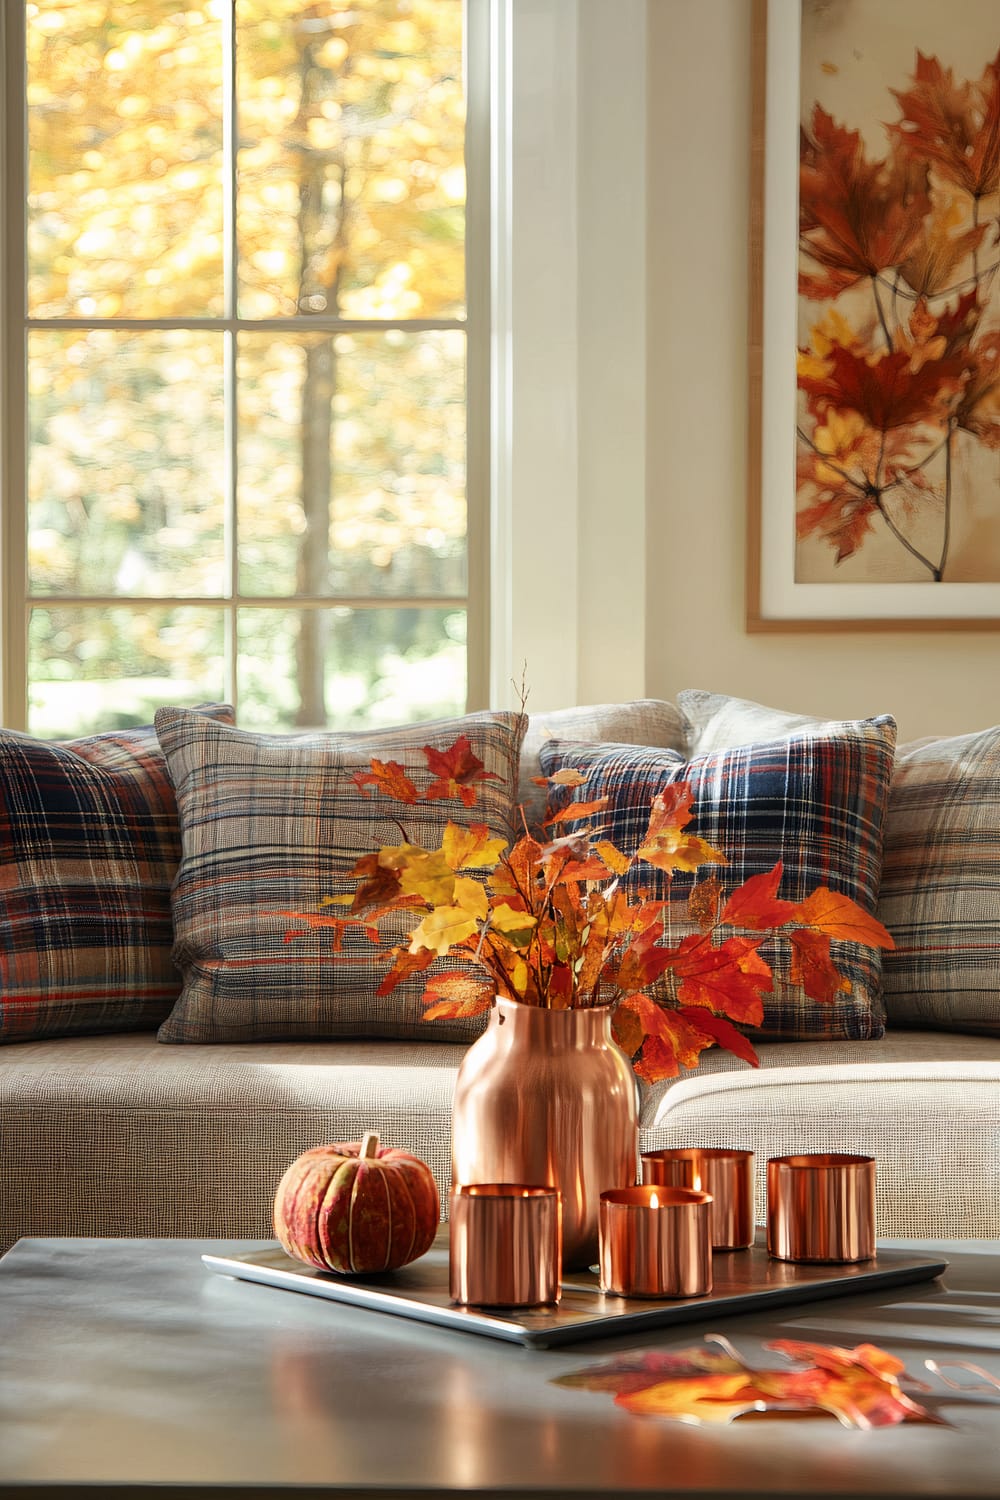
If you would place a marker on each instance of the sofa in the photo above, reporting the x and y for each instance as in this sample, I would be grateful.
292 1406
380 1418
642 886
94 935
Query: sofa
161 1115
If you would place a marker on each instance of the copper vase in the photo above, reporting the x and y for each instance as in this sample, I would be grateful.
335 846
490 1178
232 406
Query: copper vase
547 1098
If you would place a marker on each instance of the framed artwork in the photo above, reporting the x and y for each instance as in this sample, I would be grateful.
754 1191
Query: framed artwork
874 340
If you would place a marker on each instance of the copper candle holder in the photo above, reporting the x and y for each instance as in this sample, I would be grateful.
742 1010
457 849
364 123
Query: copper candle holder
505 1245
727 1175
821 1208
656 1242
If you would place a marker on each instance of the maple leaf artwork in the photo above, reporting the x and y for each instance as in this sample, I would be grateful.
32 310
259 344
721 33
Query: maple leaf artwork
862 1387
898 430
564 922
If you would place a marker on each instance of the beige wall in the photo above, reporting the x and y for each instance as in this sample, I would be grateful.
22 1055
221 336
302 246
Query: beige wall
696 399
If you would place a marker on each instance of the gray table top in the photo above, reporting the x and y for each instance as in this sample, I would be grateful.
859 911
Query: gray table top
127 1368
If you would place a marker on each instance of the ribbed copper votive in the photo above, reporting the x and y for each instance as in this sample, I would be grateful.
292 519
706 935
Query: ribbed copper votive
505 1245
821 1208
656 1242
725 1174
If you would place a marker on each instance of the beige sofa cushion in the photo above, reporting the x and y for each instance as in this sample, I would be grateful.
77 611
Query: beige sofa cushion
121 1136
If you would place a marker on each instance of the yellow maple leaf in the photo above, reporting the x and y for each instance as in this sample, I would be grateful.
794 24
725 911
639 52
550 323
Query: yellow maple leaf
442 928
470 848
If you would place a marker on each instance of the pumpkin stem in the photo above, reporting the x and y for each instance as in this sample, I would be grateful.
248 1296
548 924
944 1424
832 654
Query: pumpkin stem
369 1146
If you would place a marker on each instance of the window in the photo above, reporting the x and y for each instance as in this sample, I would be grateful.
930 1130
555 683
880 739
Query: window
247 353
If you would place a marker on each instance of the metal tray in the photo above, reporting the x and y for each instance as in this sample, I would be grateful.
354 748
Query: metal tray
744 1281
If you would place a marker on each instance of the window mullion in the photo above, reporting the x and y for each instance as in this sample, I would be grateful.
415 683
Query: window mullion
13 437
230 434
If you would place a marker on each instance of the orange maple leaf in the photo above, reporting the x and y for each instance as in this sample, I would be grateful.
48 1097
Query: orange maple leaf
671 1040
955 126
840 917
574 810
754 904
813 968
389 777
457 770
665 844
404 963
456 994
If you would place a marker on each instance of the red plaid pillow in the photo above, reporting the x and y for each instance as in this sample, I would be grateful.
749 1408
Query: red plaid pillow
89 846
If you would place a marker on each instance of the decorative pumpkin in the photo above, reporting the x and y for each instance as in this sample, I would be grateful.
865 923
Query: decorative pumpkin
357 1207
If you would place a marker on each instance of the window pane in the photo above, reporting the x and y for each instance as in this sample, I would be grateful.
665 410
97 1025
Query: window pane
125 204
95 669
125 463
351 166
351 473
349 668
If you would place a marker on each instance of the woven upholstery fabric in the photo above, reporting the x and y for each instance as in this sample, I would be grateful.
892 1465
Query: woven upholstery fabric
194 1140
815 800
271 825
926 1107
642 721
89 847
229 1119
940 894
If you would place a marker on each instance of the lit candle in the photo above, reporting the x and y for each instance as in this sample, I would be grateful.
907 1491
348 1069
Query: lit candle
726 1174
656 1242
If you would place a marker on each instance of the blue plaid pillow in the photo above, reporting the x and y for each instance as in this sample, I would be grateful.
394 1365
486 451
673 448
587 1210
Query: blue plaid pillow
815 800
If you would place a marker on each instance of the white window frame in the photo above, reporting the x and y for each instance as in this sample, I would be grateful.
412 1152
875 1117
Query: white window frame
481 20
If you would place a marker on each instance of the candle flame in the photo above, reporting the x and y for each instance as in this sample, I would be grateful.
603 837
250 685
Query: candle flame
654 1201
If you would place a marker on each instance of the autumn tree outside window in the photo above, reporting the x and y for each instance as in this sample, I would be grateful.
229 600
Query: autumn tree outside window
243 447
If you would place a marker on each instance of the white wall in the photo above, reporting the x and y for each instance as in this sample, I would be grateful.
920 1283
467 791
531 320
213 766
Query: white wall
698 90
624 568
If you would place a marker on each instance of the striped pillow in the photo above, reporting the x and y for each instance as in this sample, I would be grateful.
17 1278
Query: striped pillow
940 895
273 823
89 846
815 800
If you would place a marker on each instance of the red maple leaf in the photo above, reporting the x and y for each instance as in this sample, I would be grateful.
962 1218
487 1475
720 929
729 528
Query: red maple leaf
457 770
755 904
856 217
887 391
727 979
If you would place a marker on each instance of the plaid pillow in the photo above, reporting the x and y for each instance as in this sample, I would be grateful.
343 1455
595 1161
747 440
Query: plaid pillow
815 800
940 895
89 846
643 721
270 825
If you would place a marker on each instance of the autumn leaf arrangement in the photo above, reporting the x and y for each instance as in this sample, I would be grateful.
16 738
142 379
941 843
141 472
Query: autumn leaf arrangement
862 1387
900 381
553 921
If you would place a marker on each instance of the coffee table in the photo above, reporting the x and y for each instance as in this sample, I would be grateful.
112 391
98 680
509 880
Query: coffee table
128 1369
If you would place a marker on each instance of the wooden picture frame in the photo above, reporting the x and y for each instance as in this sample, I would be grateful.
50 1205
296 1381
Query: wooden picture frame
822 481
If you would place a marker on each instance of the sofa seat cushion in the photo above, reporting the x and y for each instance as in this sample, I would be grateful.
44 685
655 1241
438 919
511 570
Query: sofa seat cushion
925 1105
120 1136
